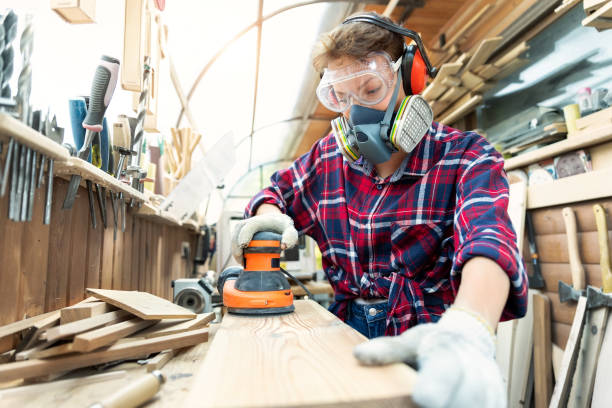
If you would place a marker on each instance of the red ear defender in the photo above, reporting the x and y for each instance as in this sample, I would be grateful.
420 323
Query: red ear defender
418 75
414 71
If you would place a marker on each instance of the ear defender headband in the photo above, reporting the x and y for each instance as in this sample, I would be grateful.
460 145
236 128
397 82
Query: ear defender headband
415 63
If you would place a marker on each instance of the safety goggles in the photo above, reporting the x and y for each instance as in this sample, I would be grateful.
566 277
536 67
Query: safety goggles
365 82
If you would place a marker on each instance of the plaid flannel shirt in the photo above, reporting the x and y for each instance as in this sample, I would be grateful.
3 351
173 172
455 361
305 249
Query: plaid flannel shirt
405 237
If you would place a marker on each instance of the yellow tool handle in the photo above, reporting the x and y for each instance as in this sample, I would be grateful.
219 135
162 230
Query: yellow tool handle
134 394
572 248
604 251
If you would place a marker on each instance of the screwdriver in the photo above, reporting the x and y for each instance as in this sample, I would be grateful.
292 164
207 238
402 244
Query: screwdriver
102 89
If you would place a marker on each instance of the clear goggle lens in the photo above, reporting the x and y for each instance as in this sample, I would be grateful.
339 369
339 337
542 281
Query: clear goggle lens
365 82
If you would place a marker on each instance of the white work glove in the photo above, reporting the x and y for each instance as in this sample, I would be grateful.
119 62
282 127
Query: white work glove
275 222
455 360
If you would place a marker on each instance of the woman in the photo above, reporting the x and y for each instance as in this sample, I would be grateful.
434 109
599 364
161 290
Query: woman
415 237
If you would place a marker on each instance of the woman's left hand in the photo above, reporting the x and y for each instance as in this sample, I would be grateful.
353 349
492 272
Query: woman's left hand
455 360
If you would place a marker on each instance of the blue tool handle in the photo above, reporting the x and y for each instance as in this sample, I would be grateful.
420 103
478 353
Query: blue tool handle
102 89
78 111
104 148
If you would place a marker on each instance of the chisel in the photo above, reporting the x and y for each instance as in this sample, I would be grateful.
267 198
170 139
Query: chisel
27 175
92 208
7 167
101 192
102 89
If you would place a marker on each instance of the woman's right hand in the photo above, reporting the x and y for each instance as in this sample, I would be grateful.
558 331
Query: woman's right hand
269 221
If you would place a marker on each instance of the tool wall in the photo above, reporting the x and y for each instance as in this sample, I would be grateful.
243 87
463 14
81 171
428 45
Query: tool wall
552 245
46 267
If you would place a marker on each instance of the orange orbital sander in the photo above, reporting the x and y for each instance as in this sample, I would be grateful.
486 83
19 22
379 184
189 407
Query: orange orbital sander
259 288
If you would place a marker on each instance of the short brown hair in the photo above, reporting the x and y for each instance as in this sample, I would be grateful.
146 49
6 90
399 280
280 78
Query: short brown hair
356 40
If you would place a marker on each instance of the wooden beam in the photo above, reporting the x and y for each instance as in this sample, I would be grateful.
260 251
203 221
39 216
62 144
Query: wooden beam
38 367
461 108
142 304
319 347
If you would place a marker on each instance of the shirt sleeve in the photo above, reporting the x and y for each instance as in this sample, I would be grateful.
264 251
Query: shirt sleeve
483 227
294 190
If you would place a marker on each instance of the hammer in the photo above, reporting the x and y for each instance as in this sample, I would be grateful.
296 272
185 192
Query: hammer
569 292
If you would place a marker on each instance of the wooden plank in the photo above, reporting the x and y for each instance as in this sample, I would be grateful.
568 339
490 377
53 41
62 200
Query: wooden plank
95 239
80 326
34 260
602 392
108 250
600 19
511 55
561 312
483 52
519 386
21 325
10 256
460 108
555 272
451 81
142 304
319 346
59 247
550 243
590 6
83 311
118 250
549 220
78 258
135 255
471 81
32 335
434 90
560 334
160 360
25 135
542 351
39 367
126 275
172 326
465 28
65 348
594 119
453 94
570 356
488 71
103 336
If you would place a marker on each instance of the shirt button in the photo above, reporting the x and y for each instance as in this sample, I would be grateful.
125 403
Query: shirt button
379 186
372 311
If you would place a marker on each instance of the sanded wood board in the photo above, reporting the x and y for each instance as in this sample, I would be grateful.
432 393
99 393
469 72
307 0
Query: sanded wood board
80 326
39 367
83 311
483 52
103 336
298 359
171 326
142 304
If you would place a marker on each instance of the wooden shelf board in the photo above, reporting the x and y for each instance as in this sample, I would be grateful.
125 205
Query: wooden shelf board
12 128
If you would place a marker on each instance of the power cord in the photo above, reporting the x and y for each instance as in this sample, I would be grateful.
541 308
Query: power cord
310 296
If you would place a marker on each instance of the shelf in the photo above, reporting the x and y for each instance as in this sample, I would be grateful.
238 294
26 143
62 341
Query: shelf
581 187
586 138
12 128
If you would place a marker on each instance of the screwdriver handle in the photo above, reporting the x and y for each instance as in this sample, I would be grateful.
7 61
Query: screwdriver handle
102 88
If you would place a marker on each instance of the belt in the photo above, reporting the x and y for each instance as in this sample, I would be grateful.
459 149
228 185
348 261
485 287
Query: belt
376 301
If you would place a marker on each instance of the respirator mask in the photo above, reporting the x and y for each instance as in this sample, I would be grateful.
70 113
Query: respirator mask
368 132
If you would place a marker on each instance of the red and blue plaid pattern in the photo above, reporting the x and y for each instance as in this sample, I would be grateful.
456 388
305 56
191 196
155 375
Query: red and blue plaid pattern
405 237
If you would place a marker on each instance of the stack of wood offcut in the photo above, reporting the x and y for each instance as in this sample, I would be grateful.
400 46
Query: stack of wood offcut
599 14
459 85
110 325
179 151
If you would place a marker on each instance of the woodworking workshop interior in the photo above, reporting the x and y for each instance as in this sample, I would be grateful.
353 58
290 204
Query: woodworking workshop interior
306 203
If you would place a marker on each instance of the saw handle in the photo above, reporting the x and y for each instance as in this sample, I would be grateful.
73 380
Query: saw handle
572 248
604 251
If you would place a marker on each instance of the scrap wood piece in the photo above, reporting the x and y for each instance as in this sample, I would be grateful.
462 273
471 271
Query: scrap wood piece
172 326
159 360
136 348
84 310
483 52
600 19
80 326
508 69
487 71
143 304
40 327
103 336
451 80
319 347
461 108
65 348
570 356
21 325
453 94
